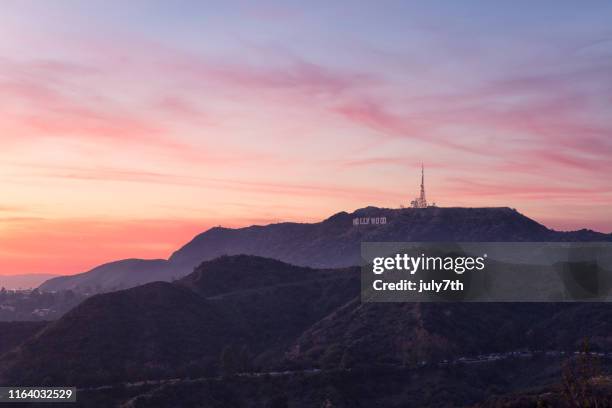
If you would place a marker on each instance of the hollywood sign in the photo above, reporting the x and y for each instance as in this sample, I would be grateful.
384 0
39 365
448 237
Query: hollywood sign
369 221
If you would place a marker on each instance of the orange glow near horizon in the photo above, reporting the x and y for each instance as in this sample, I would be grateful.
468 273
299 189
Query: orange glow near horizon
122 137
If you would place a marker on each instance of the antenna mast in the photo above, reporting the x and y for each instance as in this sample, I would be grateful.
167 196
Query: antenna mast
422 197
420 201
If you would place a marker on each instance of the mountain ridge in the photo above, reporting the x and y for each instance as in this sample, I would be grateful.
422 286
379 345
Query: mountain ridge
161 329
217 320
331 243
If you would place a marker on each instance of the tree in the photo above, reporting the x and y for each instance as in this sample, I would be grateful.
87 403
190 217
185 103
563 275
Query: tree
578 376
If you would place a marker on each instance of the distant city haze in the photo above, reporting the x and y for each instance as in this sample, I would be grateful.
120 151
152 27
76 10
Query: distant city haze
16 282
126 128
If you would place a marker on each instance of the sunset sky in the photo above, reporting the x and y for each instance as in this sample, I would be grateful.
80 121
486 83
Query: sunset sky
128 127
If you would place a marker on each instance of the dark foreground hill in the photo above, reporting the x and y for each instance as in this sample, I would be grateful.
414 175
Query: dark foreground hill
332 243
404 334
265 314
308 329
121 335
254 306
457 386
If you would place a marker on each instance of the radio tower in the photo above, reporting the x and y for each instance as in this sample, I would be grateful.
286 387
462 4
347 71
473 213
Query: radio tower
421 201
422 197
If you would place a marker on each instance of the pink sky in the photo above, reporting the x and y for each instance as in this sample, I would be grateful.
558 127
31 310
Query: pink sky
125 131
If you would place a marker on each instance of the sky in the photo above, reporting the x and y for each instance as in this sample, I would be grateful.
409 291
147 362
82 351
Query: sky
128 127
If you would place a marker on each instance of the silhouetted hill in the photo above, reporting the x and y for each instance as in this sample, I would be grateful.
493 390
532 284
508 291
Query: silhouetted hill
250 314
366 334
275 301
334 242
161 330
116 275
247 273
148 331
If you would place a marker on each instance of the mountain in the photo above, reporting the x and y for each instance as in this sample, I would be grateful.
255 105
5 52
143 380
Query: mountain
335 242
122 335
332 243
159 330
26 281
116 275
249 314
275 301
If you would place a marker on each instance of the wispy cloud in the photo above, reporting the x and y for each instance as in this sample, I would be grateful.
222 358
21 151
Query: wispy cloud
304 117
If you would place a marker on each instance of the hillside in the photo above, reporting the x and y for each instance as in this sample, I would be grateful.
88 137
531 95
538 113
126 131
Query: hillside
249 314
122 335
116 275
332 243
403 334
14 333
459 386
161 330
278 316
